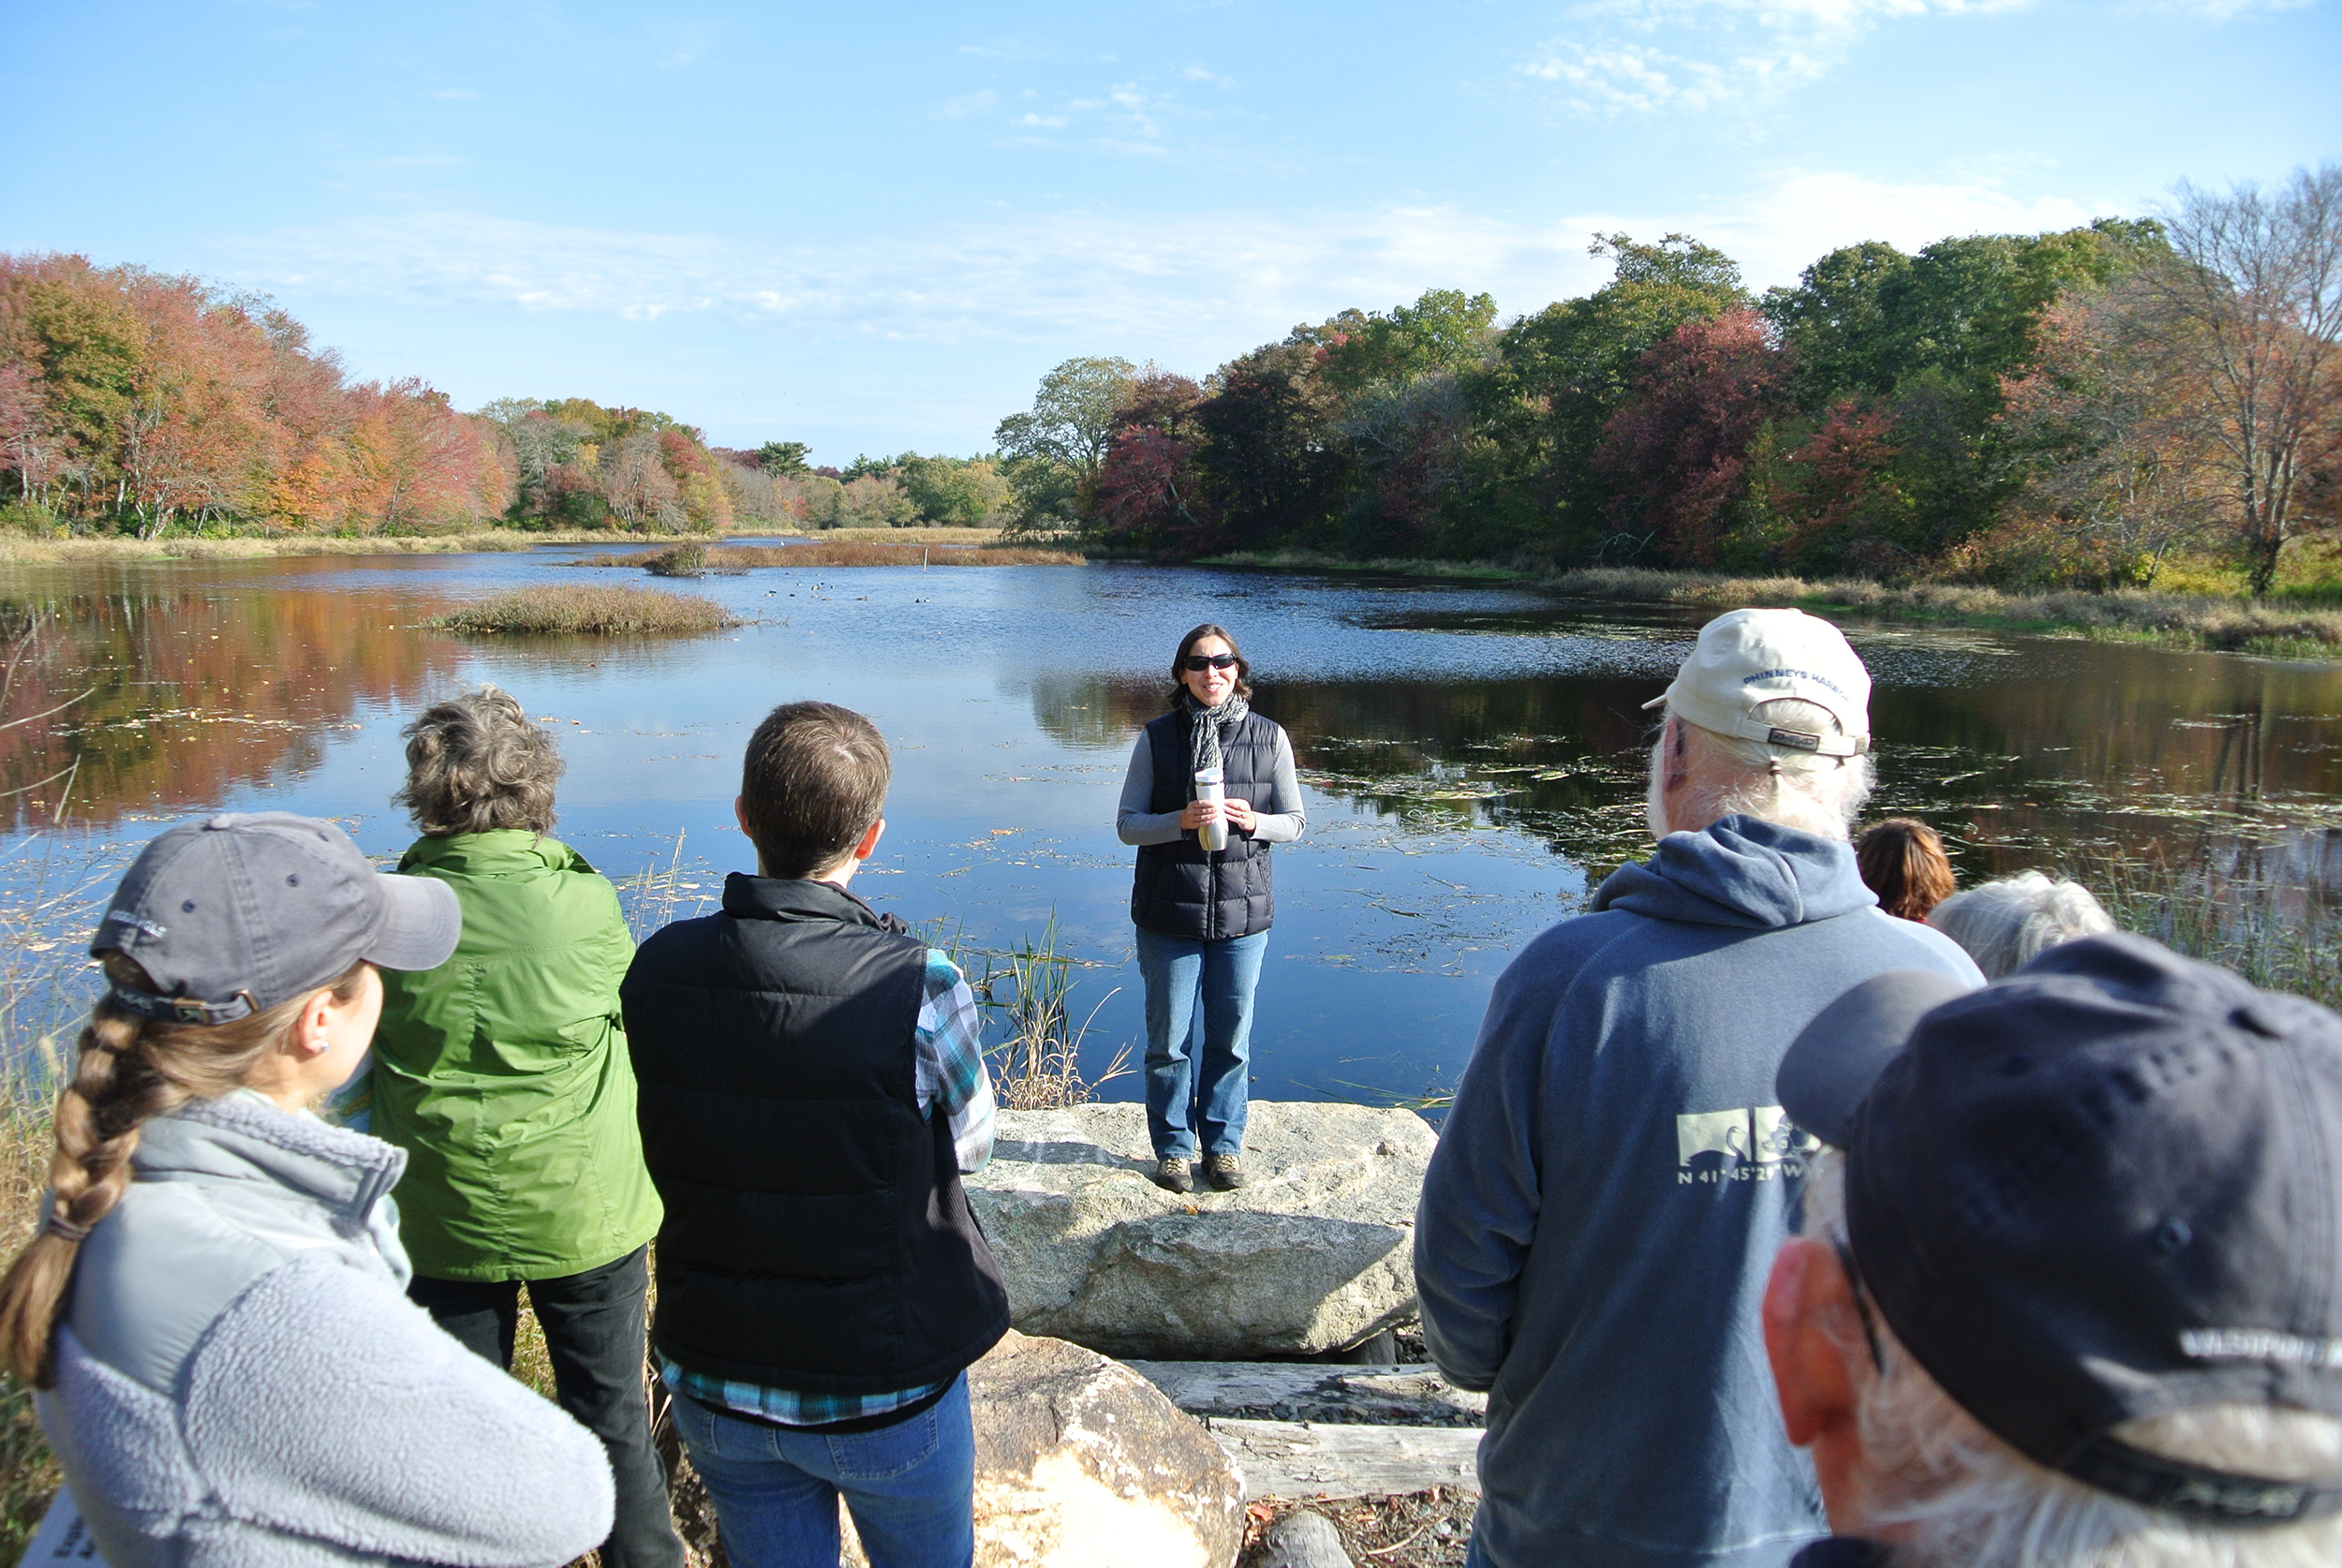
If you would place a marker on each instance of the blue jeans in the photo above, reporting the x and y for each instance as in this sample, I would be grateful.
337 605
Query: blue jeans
1184 1102
911 1487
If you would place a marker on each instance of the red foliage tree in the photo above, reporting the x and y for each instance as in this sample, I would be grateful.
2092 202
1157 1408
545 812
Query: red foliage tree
1839 492
1677 449
1147 494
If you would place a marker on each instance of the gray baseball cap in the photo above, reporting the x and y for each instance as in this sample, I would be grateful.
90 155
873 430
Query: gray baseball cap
236 914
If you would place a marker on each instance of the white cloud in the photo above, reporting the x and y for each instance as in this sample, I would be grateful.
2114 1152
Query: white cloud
1194 288
967 104
2224 10
1643 56
1197 73
457 95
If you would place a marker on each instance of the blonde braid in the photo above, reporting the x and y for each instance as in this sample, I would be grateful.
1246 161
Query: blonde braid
131 1067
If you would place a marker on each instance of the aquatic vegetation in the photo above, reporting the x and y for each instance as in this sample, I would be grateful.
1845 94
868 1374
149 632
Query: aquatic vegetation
2196 620
694 560
590 611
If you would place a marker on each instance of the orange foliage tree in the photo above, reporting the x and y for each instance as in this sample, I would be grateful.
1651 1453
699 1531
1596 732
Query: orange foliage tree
134 400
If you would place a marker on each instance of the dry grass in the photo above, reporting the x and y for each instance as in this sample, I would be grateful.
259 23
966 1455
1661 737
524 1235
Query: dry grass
1038 1066
28 1471
2190 620
2195 620
590 611
909 535
20 549
699 560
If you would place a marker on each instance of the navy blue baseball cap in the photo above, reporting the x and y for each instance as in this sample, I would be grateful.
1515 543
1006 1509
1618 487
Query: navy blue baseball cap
233 914
2106 1188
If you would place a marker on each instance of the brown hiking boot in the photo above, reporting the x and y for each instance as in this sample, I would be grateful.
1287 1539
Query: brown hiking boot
1223 1171
1171 1174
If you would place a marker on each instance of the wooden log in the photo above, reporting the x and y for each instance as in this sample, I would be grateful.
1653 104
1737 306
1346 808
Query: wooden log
1300 1459
1414 1395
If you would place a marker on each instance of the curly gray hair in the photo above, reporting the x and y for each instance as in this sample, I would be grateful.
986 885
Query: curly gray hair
476 764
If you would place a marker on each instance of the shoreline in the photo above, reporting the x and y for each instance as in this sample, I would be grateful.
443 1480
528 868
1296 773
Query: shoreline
27 550
2200 622
21 550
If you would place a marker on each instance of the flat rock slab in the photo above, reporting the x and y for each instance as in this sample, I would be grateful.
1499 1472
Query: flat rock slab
1302 1459
1313 1255
1409 1396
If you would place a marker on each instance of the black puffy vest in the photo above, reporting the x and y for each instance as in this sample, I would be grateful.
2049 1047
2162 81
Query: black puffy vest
1182 890
816 1238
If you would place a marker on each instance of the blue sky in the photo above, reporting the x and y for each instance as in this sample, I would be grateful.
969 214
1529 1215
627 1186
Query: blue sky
872 226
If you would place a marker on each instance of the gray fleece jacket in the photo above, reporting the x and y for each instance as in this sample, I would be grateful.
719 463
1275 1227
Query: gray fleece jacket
241 1379
1603 1209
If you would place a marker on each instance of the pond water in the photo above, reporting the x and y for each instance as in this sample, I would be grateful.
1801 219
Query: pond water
1472 753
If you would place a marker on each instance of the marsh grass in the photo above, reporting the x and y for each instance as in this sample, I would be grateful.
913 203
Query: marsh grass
2190 620
2289 626
28 1471
909 535
1027 990
21 548
567 610
2276 933
699 560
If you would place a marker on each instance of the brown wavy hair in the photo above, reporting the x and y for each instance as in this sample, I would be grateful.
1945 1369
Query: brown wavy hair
131 1067
475 763
1903 861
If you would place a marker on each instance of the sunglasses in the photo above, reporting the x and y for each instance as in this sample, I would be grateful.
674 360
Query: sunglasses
1210 661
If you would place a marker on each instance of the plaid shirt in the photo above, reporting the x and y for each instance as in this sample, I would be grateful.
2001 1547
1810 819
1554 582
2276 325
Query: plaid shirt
951 1078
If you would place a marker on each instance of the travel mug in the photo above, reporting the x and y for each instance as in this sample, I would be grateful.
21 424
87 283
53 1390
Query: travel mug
1211 835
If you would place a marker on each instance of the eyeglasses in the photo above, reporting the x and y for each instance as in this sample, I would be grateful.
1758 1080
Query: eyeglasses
1210 661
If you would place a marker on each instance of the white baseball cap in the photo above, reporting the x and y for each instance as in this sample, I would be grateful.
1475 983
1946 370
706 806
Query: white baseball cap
1750 657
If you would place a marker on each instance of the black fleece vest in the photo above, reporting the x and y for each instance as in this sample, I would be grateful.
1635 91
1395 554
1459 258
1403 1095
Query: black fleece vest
816 1237
1182 890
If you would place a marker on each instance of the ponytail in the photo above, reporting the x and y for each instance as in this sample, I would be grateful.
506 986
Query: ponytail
129 1068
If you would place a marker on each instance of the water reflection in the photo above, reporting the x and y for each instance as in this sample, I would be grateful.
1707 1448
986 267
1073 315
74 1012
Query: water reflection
138 696
1472 754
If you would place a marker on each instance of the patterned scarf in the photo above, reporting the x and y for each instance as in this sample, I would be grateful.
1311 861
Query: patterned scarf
1205 726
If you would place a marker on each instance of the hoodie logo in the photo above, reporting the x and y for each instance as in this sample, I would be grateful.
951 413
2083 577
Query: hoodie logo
1759 1143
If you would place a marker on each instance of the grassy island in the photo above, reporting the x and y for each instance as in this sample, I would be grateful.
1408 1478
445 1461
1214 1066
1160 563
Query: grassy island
589 611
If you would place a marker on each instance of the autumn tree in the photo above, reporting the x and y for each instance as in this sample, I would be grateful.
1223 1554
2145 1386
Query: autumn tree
1678 448
1841 495
2118 436
1148 494
1557 376
2257 285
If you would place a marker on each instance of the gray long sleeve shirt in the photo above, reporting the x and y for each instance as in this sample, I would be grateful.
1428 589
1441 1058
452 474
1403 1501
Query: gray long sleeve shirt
1278 819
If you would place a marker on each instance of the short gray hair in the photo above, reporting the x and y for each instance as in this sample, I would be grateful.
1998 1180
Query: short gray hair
2006 924
1784 784
1955 1496
475 763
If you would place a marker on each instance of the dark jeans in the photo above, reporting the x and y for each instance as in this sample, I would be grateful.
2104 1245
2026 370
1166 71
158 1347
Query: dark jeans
594 1336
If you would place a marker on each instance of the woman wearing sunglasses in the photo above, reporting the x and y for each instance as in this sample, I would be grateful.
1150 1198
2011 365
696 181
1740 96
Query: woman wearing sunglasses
1211 787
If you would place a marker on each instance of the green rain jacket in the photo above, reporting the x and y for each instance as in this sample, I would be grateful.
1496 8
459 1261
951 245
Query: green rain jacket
504 1075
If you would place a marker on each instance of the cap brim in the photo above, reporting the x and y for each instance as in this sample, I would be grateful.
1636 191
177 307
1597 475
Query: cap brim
424 924
1835 1059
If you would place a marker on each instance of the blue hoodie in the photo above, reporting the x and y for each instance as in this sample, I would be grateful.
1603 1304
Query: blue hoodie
1603 1209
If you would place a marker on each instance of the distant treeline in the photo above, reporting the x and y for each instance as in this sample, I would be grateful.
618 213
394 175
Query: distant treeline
135 402
2076 408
